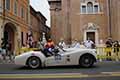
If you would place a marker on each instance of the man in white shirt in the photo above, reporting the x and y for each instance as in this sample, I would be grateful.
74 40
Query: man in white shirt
88 43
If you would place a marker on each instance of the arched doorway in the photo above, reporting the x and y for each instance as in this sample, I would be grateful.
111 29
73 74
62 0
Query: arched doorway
9 34
91 32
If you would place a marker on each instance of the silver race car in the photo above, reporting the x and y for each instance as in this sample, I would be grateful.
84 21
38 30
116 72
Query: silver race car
60 57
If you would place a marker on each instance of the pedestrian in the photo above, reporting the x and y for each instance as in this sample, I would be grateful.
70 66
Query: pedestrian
9 50
3 46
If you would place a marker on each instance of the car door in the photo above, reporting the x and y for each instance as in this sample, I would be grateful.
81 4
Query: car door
55 60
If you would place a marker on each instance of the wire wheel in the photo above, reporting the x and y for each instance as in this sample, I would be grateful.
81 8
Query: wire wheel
34 62
86 61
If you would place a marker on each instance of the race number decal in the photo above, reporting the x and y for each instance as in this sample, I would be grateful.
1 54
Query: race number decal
58 57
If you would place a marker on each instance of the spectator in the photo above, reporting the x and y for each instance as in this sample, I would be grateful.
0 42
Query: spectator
62 44
108 47
116 47
89 43
82 45
75 44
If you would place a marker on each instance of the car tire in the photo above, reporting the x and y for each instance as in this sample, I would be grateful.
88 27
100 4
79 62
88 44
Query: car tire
86 61
34 62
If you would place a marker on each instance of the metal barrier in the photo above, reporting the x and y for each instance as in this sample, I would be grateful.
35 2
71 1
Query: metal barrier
108 53
22 50
103 53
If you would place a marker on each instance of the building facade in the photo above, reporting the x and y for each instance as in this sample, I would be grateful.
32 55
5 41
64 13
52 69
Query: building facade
14 22
38 24
83 19
115 18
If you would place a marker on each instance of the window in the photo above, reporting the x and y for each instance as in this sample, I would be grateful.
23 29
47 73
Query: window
26 37
96 8
15 7
26 16
7 4
22 12
83 9
21 38
89 7
0 6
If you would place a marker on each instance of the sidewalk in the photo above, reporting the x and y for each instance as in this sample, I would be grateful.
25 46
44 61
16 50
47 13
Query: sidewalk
7 61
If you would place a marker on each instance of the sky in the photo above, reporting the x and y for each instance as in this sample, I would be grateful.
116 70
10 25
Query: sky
43 7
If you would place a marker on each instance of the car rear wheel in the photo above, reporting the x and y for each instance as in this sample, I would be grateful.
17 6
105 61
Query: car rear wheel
34 62
86 61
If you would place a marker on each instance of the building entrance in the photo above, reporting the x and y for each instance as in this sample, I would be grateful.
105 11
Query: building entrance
91 36
9 34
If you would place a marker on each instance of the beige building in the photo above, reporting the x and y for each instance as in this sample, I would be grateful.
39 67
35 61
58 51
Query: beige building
14 21
17 19
80 19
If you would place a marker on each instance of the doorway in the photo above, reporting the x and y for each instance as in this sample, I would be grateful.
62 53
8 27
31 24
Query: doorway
9 34
91 36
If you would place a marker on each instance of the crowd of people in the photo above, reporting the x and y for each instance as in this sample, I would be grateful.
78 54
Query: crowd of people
76 44
89 44
49 45
112 46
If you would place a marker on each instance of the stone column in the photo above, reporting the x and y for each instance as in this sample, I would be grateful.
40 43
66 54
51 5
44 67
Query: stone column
1 30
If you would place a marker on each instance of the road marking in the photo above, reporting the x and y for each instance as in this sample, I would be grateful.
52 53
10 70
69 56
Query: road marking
112 73
60 75
118 72
42 76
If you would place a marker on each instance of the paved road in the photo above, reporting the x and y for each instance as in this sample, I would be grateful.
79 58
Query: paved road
107 78
101 70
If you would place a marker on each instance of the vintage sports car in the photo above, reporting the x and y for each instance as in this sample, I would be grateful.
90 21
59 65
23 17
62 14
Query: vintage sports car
70 56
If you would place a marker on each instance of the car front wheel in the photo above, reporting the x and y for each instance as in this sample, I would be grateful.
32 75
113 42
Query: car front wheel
86 61
33 62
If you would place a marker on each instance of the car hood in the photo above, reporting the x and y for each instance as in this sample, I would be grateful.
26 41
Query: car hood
78 49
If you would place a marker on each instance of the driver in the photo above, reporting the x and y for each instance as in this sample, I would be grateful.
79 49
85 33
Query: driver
49 46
